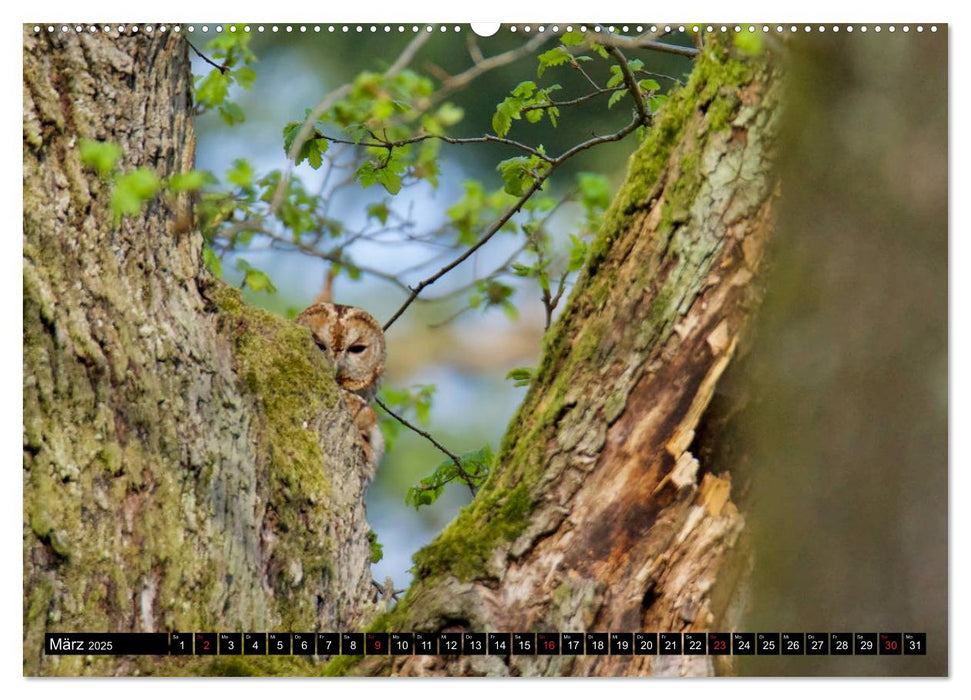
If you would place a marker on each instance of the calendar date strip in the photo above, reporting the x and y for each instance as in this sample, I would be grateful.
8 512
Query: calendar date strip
486 643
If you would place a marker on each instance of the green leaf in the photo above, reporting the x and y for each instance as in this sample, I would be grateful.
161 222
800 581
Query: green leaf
314 156
390 181
357 132
257 280
378 211
522 376
476 466
240 173
189 180
556 56
578 254
377 549
525 89
594 190
501 122
544 280
572 38
478 462
496 292
212 261
649 84
654 102
290 132
386 174
511 107
245 77
616 77
101 156
132 190
616 97
515 174
213 88
231 113
520 172
449 114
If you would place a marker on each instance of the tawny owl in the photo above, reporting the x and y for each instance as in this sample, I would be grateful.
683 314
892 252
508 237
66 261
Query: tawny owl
354 343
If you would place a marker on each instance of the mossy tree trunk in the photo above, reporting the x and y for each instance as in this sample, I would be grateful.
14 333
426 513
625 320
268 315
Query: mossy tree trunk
188 464
602 514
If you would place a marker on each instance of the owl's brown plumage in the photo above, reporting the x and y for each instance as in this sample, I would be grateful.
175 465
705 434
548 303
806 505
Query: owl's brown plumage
354 343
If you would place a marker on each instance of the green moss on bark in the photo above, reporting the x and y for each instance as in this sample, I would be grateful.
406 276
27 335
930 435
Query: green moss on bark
501 511
281 368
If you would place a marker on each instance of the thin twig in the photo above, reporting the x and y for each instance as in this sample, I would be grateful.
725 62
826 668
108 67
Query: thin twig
451 317
508 214
650 44
221 68
475 53
662 75
329 101
277 241
488 138
586 75
484 65
631 82
466 477
578 100
415 291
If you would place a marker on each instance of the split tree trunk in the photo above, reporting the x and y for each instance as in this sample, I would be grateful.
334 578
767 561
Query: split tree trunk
187 463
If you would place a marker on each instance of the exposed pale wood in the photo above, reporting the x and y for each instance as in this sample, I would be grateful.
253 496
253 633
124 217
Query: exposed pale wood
625 529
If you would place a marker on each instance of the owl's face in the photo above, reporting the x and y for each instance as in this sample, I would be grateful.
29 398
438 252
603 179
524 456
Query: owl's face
353 341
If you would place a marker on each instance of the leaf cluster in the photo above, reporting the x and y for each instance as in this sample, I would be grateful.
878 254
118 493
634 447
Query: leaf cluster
473 469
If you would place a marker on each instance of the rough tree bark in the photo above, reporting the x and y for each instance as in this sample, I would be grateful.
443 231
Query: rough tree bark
187 465
187 462
599 516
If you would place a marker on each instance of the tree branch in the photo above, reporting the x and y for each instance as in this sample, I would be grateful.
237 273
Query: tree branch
221 68
415 291
508 214
488 138
631 82
643 42
466 477
483 65
329 101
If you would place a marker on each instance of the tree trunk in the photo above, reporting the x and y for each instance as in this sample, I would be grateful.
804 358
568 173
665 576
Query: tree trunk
599 515
188 464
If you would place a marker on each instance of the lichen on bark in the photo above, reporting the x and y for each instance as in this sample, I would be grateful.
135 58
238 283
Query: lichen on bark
188 463
597 516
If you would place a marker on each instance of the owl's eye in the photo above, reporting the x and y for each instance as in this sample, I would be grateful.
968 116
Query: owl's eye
321 345
357 349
